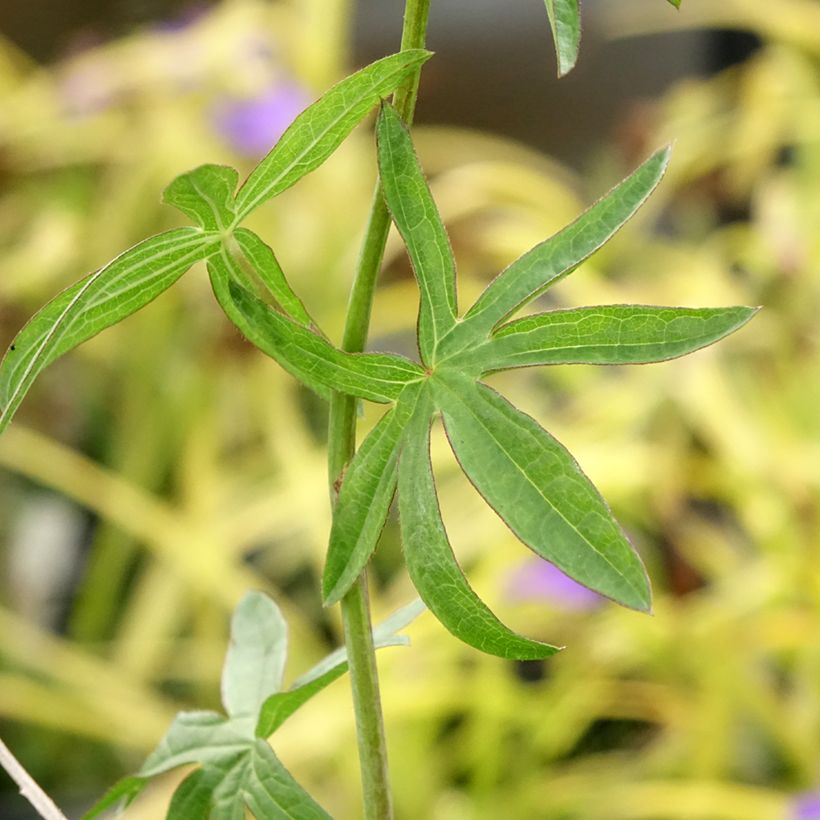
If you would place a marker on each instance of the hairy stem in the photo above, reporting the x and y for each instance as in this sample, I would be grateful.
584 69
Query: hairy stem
342 445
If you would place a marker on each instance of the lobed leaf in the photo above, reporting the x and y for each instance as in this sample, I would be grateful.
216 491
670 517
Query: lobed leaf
194 797
205 194
540 267
565 21
100 300
365 495
417 219
272 793
197 737
430 560
610 334
540 492
266 266
313 360
316 133
255 661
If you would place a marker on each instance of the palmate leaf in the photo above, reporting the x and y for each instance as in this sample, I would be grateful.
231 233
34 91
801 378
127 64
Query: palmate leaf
609 334
527 476
312 359
430 560
554 258
365 495
417 218
538 489
100 300
316 133
238 769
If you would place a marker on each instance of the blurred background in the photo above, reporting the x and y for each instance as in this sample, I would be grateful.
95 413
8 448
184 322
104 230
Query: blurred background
162 469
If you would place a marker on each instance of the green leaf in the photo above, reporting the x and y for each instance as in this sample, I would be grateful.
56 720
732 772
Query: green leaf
238 769
417 218
193 798
610 334
198 737
100 300
540 267
271 792
365 495
378 377
320 129
430 560
120 795
675 3
205 195
255 661
279 707
263 261
538 489
565 21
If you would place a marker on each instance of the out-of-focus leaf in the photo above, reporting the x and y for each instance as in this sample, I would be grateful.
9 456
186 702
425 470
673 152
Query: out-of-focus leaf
565 21
206 195
540 267
367 489
100 300
538 489
193 798
279 707
271 792
120 796
319 130
430 560
266 266
419 223
310 358
238 768
198 737
610 334
255 661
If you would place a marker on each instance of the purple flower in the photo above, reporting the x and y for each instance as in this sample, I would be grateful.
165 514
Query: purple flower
538 580
806 806
253 125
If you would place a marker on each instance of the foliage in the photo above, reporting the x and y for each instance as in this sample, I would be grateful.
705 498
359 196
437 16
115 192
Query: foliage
716 498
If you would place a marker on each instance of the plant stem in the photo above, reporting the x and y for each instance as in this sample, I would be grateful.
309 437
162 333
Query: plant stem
28 787
341 447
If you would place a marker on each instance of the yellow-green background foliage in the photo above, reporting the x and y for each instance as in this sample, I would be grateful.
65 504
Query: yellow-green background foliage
188 468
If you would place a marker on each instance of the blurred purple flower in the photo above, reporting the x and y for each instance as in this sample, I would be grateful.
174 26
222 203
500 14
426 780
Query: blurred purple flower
806 806
254 124
538 580
86 89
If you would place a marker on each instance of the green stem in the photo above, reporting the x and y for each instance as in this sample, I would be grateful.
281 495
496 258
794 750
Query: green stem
341 447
